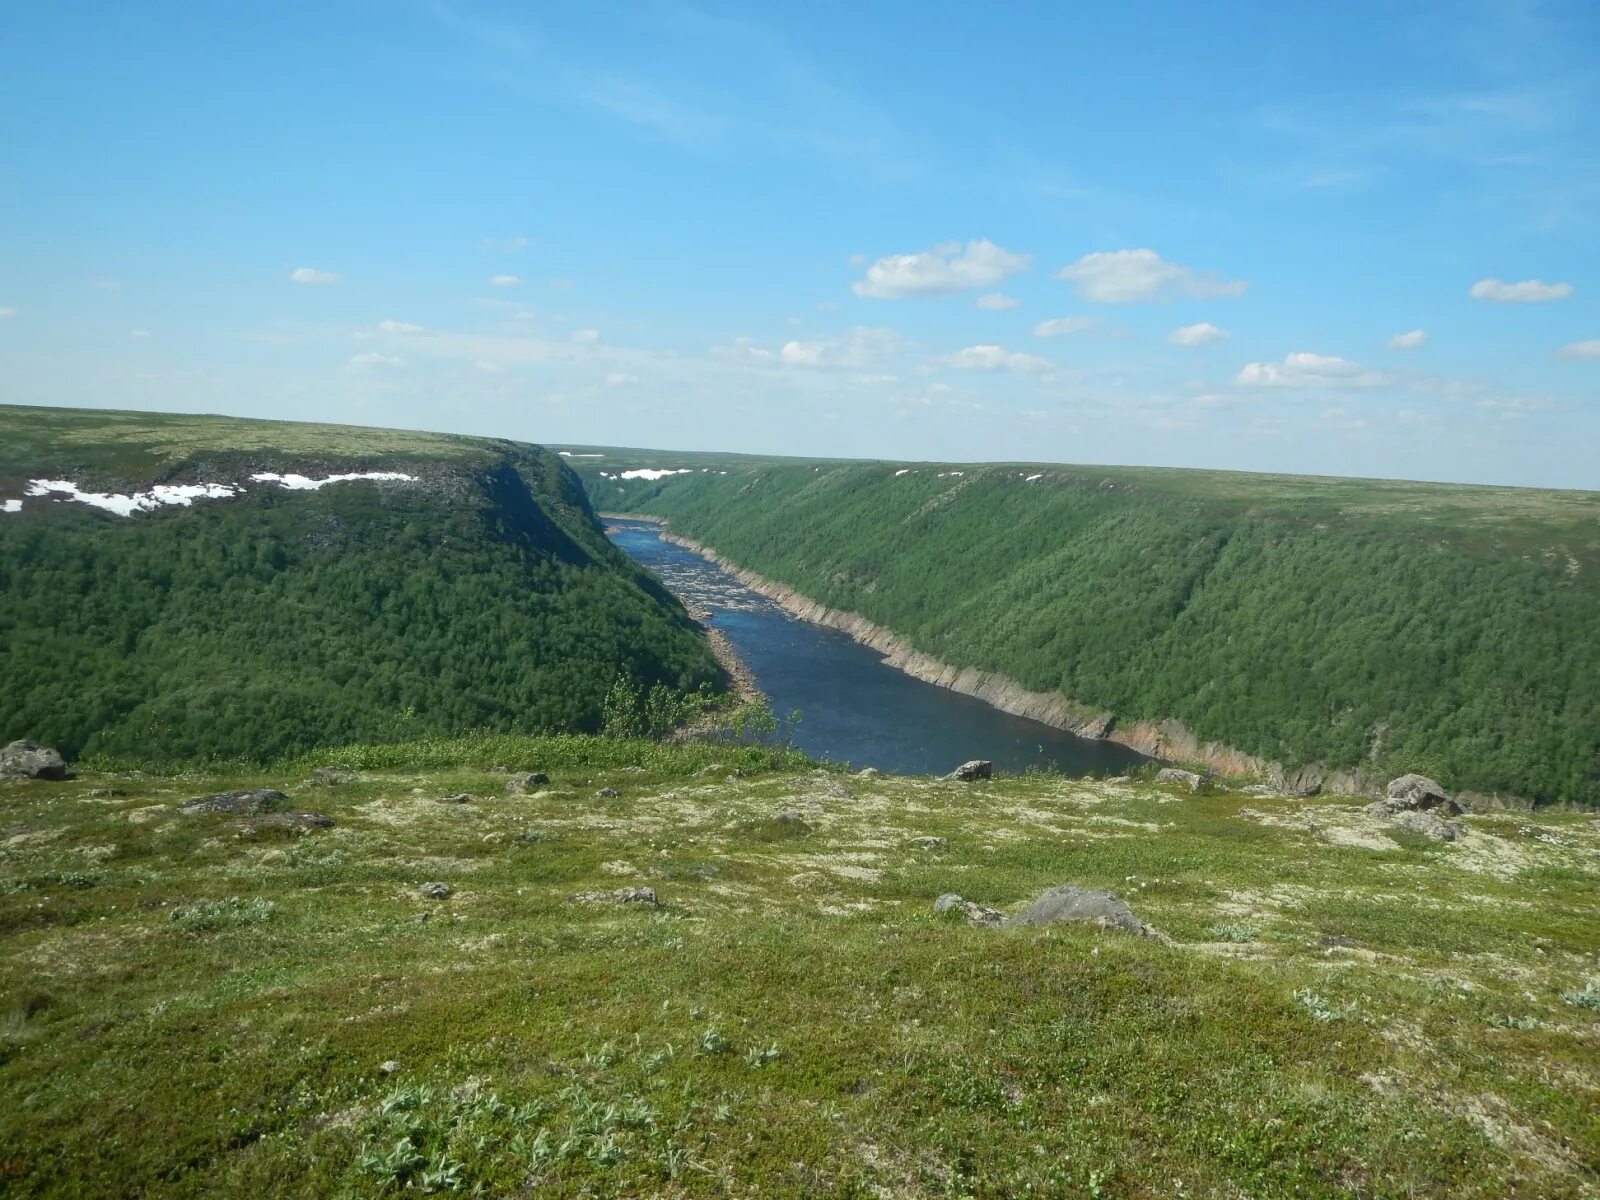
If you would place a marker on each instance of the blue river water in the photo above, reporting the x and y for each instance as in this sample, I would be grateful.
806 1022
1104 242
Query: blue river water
853 707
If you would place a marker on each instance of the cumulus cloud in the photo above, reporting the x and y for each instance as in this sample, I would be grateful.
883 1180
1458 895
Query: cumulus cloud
1587 349
942 271
1413 340
1529 291
1305 370
1201 334
586 337
504 280
401 327
371 360
1123 276
311 275
1062 326
995 358
997 302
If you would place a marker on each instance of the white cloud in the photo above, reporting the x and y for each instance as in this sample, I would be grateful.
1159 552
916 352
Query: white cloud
1587 349
997 302
1122 276
744 348
372 360
504 281
1514 406
1304 370
401 327
1062 326
995 358
802 354
942 271
858 260
1413 340
1201 334
312 276
1529 291
860 348
586 337
6 313
621 379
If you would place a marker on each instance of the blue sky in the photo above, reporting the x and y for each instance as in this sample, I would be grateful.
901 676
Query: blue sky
1352 239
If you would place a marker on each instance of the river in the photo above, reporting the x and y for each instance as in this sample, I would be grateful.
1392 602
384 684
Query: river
853 707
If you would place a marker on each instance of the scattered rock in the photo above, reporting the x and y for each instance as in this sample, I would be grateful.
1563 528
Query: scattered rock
788 817
975 913
436 891
928 843
608 793
627 895
1186 779
1430 825
1068 903
388 1068
837 791
1415 793
249 803
29 760
1329 941
302 821
972 769
330 777
868 773
526 781
619 867
458 798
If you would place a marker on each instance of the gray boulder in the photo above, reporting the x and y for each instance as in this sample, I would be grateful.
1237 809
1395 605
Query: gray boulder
928 843
29 760
249 803
1186 779
1430 824
1074 904
628 895
1415 793
436 891
608 793
977 914
972 769
526 781
868 773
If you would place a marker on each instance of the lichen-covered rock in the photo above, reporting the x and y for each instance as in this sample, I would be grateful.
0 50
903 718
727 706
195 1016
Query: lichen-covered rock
436 891
1415 793
1187 779
608 793
977 914
248 803
1069 903
972 769
928 843
628 895
1430 824
526 781
29 760
458 798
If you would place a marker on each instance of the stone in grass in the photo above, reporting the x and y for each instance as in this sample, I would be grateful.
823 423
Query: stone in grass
1186 779
251 802
868 773
388 1068
1415 793
303 822
972 769
928 843
458 798
608 793
330 777
1068 903
526 781
977 914
29 760
627 895
1430 825
436 891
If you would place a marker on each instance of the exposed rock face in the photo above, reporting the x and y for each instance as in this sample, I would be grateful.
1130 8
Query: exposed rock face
526 781
1068 903
1186 779
1415 793
628 895
975 913
29 760
1430 824
250 803
972 769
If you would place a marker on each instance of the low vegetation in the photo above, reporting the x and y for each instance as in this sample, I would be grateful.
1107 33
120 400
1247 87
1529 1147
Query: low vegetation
411 1003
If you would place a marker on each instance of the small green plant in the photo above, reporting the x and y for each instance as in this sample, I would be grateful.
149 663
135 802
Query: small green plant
1322 1009
712 1041
1587 996
760 1056
211 915
1234 931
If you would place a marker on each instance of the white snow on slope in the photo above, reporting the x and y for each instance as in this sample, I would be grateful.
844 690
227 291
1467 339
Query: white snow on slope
570 454
303 483
11 506
653 473
164 494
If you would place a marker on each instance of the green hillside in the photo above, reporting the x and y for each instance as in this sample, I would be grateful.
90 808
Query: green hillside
480 594
1347 623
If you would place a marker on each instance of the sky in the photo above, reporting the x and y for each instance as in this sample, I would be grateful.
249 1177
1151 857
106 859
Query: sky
1347 239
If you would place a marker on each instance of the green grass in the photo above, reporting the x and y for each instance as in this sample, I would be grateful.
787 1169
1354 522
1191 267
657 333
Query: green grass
186 1011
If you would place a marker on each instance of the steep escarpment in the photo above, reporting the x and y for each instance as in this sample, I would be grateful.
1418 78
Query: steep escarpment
275 588
1333 631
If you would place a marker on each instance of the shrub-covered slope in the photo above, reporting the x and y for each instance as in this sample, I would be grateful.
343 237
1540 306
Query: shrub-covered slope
480 594
1349 623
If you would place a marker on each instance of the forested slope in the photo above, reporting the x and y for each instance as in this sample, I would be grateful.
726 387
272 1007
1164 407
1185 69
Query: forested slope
480 593
1353 624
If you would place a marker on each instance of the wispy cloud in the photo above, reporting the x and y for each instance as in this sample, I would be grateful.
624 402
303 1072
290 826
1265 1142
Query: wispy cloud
1307 370
1414 339
1200 334
312 276
1529 291
1584 349
1125 276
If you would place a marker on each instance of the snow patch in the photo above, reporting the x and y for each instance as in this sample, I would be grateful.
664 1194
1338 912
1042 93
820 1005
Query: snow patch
901 471
10 505
654 473
571 454
127 505
1031 478
304 483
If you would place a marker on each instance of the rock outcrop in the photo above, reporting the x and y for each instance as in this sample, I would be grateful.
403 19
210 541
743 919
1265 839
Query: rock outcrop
1187 779
1068 903
29 760
1415 793
972 769
977 914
